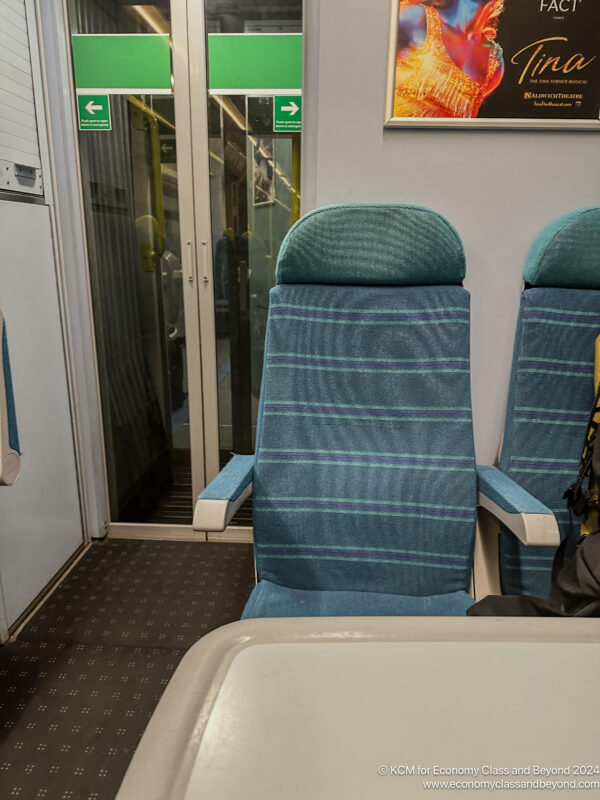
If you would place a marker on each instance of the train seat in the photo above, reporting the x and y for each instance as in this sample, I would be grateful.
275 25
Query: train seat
552 385
364 478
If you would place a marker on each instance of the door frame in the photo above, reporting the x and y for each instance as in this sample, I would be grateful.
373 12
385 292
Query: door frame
48 22
196 258
189 65
191 114
193 173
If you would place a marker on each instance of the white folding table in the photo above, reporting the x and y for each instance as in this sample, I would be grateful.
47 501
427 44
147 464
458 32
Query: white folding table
366 708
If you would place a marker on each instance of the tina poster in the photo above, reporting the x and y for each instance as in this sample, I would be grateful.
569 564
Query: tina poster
514 63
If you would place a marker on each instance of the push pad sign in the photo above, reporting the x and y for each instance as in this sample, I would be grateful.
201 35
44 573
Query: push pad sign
287 113
94 112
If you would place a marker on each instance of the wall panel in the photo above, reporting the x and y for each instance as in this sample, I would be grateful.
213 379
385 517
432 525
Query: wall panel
499 188
18 133
40 520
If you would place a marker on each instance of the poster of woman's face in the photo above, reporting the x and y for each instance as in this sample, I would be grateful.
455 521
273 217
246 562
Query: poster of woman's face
517 63
264 185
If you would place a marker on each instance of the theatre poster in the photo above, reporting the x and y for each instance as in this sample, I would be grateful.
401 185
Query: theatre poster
494 63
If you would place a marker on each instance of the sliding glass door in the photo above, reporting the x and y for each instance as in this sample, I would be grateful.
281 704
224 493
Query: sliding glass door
190 180
254 123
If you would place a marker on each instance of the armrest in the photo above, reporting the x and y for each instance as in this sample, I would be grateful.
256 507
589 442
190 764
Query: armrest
219 502
531 521
10 461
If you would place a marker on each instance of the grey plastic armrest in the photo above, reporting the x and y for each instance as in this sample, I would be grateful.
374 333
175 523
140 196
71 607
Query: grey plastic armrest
531 521
219 502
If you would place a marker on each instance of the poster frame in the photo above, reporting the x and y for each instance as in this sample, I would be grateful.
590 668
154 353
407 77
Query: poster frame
390 121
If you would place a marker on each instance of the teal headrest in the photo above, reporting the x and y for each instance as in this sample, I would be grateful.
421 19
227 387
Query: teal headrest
566 254
385 244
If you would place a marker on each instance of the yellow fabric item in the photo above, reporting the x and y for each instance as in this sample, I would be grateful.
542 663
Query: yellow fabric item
592 521
429 84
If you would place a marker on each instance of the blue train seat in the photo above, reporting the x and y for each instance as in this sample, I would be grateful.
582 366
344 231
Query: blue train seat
364 477
552 384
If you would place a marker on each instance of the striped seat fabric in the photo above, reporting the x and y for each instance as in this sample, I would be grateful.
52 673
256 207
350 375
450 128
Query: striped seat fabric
552 385
9 435
364 480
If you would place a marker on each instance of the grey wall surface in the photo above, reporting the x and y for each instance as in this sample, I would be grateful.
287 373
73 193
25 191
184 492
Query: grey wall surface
499 188
40 517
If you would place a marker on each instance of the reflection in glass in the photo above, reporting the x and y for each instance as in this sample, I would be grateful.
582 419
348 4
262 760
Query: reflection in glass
129 178
254 201
255 198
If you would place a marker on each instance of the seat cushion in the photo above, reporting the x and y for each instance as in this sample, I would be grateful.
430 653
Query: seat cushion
271 600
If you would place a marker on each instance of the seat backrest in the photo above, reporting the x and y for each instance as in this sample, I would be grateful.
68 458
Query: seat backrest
365 471
552 384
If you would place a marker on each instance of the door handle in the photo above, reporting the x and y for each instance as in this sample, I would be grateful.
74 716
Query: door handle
189 246
205 277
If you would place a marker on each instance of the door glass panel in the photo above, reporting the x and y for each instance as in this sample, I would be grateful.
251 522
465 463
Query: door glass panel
129 177
255 198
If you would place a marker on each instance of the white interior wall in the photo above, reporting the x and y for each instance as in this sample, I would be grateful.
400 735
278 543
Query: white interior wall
40 519
40 515
64 199
499 188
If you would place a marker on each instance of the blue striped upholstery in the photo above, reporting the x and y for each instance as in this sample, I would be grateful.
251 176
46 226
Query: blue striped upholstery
550 398
13 432
365 471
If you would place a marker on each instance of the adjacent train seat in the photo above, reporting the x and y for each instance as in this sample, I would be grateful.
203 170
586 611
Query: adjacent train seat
552 384
364 477
10 461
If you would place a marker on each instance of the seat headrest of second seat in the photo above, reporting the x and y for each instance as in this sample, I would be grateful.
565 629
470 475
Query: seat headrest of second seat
382 245
566 254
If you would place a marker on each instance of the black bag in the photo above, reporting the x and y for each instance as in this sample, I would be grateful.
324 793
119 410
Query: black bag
581 502
575 588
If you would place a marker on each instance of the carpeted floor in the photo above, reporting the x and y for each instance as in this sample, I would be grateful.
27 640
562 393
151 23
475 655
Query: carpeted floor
80 683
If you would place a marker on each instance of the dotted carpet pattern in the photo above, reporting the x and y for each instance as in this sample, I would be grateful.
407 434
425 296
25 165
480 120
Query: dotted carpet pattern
80 683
